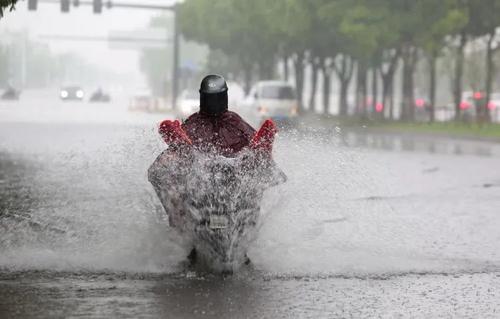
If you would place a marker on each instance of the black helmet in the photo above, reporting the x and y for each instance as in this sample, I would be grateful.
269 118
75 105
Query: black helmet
213 95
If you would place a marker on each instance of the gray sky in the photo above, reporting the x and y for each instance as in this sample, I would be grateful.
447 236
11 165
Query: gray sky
48 20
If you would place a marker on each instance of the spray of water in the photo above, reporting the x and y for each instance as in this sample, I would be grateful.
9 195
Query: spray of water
85 203
214 201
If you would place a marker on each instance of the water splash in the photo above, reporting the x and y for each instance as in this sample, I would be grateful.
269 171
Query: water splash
84 203
199 191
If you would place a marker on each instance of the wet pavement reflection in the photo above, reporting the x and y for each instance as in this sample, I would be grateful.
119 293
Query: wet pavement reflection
413 143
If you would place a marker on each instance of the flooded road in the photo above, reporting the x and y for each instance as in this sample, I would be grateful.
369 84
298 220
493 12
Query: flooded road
365 226
63 295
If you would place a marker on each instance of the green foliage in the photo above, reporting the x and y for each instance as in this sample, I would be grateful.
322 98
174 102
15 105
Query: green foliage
252 30
375 33
238 28
6 4
219 62
484 16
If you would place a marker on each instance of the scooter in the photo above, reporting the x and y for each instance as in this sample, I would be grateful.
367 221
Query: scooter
214 201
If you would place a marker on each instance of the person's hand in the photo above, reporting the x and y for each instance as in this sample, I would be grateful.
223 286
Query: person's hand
263 140
173 134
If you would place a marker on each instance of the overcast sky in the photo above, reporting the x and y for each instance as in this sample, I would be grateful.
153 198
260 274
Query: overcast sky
48 20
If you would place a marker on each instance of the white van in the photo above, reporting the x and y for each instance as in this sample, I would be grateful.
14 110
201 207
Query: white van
273 99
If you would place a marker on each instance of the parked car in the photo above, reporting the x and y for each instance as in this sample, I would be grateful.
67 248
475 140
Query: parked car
72 93
273 99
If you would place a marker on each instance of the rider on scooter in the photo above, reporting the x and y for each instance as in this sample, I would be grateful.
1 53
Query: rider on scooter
214 128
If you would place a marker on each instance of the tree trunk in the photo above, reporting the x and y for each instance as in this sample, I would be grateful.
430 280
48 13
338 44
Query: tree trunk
344 87
266 68
261 69
391 100
247 74
314 84
490 70
326 88
361 89
432 86
285 67
344 74
409 62
387 83
459 70
374 87
299 78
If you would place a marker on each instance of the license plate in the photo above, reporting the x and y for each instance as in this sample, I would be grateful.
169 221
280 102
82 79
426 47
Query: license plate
218 222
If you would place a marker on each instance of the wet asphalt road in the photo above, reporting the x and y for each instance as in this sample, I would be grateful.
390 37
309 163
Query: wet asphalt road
38 295
367 226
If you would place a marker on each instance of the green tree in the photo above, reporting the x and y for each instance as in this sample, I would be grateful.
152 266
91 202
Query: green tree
367 33
291 25
6 4
236 27
484 21
442 19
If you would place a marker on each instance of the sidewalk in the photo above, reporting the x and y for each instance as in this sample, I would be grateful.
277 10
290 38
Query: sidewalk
461 131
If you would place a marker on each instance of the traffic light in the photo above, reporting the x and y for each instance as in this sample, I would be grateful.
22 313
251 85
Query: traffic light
32 5
65 6
97 4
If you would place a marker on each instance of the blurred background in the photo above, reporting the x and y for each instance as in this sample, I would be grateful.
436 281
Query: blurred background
371 61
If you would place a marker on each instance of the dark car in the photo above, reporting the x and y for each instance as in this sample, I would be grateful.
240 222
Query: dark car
100 96
74 93
10 94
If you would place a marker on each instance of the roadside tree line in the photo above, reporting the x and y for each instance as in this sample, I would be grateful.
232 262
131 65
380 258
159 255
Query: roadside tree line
6 4
353 40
